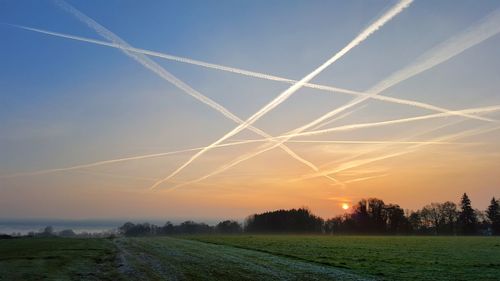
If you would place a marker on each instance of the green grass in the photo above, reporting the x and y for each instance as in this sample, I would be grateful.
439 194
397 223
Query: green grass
57 259
252 257
386 257
151 258
167 258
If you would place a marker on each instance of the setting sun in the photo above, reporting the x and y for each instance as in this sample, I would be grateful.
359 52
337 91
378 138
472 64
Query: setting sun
161 140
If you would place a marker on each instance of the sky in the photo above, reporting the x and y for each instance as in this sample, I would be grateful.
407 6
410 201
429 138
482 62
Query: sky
67 103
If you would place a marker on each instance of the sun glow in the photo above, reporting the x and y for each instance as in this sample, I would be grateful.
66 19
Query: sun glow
345 206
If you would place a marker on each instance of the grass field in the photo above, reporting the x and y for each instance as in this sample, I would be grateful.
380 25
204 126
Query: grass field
180 259
158 258
386 257
252 257
57 259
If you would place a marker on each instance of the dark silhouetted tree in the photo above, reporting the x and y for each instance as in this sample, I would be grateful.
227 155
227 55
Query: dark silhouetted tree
126 227
360 217
493 214
292 221
439 218
416 225
431 218
395 220
140 229
449 217
333 225
369 216
191 227
228 226
376 213
343 224
168 228
467 217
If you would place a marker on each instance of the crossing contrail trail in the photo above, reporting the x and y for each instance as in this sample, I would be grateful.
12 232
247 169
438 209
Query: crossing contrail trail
267 147
287 93
160 71
247 72
233 143
484 29
350 159
389 122
357 163
474 35
366 142
426 132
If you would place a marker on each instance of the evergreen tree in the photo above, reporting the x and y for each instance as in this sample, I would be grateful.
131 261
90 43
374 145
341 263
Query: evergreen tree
493 214
467 217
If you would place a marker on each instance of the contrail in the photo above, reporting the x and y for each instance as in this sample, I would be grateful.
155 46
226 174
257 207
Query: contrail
365 178
233 143
389 122
411 149
366 142
387 145
474 35
246 72
122 176
160 71
125 159
287 93
266 148
486 28
448 124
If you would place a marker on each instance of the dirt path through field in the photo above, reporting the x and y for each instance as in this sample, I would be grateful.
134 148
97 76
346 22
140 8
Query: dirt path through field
123 260
179 259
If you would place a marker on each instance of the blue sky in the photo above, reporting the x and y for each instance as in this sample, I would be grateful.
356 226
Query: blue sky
64 102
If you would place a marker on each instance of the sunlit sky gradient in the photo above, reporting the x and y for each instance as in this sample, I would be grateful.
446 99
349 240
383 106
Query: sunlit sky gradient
65 103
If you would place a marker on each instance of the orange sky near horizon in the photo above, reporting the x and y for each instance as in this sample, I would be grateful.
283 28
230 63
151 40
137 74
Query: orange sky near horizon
404 106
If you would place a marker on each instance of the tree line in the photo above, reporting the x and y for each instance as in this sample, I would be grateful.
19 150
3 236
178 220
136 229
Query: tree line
368 216
187 227
288 221
373 216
